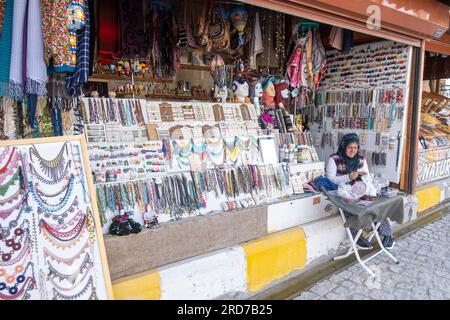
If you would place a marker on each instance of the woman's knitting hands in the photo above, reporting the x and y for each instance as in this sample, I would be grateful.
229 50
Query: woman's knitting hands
353 175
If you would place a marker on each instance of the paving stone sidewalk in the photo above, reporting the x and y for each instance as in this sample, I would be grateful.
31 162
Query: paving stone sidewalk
423 272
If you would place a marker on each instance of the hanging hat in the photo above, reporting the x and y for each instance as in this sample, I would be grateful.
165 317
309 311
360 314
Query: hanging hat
239 17
267 81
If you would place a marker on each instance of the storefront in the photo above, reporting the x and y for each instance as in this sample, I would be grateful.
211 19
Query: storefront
432 176
204 125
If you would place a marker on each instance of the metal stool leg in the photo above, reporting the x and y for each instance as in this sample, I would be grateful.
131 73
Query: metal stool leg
377 235
353 248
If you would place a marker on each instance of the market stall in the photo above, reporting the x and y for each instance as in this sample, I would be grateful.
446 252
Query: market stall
202 119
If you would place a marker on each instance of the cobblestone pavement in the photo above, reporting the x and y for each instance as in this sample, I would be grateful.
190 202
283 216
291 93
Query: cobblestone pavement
423 272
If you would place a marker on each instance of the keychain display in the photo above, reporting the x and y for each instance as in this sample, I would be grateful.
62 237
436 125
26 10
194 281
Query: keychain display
123 162
378 65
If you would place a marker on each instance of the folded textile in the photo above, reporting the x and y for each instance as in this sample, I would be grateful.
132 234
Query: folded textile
325 184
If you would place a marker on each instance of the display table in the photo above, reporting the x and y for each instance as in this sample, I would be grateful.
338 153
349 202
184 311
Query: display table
365 216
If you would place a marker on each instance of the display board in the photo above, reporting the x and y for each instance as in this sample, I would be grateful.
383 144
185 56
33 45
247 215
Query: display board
51 241
366 91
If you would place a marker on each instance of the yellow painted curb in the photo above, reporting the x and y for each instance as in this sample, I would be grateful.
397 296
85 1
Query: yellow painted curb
428 197
274 256
141 287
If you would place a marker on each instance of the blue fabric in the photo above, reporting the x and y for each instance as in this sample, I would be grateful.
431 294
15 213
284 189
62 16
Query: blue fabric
76 80
31 110
325 184
5 48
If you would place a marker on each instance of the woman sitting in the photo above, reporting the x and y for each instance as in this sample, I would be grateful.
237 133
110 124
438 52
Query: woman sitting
346 166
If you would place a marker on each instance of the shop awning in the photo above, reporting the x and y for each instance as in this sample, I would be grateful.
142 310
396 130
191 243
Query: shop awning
441 45
406 21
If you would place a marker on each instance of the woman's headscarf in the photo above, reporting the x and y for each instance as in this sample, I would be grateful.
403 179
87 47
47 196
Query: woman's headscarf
351 164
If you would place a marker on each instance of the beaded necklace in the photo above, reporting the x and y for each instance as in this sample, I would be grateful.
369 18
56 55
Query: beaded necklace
13 290
198 180
101 200
71 278
233 151
220 181
52 208
61 245
5 231
51 182
216 155
62 225
93 296
200 150
4 214
6 257
4 153
5 167
59 217
121 117
67 261
111 111
5 187
52 195
12 198
84 277
67 235
52 168
15 242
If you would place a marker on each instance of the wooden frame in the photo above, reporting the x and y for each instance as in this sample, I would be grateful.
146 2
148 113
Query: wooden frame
93 198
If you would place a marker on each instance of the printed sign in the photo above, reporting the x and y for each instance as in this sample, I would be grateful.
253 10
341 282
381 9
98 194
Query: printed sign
433 165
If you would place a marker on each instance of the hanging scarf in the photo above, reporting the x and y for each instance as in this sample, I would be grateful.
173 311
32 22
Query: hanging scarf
294 66
132 29
351 164
108 31
60 42
269 92
279 87
319 57
9 110
54 106
76 80
28 72
239 17
5 47
256 46
162 39
93 35
56 85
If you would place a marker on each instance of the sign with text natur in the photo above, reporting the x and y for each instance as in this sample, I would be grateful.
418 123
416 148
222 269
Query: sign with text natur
434 164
